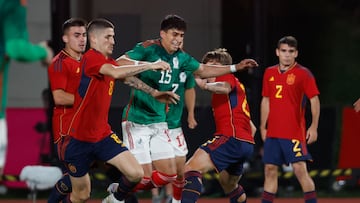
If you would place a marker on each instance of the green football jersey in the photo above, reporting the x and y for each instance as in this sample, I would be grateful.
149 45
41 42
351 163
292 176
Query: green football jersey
142 107
184 81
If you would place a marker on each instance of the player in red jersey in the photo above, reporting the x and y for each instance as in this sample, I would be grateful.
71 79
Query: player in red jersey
285 89
233 142
64 77
89 136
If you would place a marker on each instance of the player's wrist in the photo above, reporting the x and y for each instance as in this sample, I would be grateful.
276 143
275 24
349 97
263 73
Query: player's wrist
233 68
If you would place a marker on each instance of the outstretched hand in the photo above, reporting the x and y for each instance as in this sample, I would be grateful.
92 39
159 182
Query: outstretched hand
246 63
167 97
160 65
357 105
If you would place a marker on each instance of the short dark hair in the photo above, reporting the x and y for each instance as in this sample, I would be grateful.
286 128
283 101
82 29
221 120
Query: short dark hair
289 40
99 23
173 21
73 22
219 55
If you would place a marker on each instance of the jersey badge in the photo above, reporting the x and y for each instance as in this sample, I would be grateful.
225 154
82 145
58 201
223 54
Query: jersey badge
176 62
271 78
72 168
290 80
182 77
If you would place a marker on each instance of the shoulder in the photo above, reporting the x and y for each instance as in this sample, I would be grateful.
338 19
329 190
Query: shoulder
304 70
271 69
151 42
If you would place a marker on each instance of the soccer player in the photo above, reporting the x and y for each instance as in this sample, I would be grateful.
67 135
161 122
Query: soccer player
89 136
14 45
286 86
184 86
357 105
144 125
233 141
64 76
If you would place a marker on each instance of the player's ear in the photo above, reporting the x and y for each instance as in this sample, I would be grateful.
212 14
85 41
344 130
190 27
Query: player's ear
277 52
162 33
65 39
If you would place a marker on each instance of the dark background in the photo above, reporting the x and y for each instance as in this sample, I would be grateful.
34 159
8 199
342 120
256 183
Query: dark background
328 35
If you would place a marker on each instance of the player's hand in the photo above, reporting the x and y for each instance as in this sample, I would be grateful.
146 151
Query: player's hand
192 123
49 53
167 97
246 63
160 65
311 135
357 105
201 82
263 132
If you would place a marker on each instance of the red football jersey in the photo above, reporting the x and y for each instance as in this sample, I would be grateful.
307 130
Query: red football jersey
287 94
63 73
89 122
231 111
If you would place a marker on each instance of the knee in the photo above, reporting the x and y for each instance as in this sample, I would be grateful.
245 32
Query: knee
136 175
271 171
80 196
242 198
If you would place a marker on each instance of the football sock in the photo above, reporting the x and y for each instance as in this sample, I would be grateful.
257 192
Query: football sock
192 188
236 193
267 197
61 189
178 186
310 197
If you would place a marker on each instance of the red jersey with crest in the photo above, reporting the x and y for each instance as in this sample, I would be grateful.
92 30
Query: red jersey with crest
288 93
231 111
63 73
89 121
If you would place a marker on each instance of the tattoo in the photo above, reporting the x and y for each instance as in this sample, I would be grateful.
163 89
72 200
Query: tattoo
136 83
135 71
217 87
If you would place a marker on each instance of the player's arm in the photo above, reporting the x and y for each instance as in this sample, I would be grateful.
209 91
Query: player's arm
207 71
311 134
214 87
253 128
190 98
264 114
123 71
357 105
164 97
63 98
125 60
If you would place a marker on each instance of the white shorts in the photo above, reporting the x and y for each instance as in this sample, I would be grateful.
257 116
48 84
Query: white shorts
3 141
147 142
178 141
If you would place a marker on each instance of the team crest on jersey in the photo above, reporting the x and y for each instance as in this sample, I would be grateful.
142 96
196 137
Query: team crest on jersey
78 70
182 77
176 62
271 78
290 80
72 168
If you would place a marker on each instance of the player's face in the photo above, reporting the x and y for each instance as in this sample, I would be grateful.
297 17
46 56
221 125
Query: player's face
286 54
212 62
106 41
75 39
172 40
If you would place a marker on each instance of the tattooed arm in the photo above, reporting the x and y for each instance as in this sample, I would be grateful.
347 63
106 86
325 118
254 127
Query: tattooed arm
214 87
121 72
164 97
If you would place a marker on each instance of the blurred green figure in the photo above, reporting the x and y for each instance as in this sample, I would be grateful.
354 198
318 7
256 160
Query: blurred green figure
14 45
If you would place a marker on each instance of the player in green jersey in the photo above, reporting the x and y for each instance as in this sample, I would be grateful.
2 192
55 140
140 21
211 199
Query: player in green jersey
145 128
